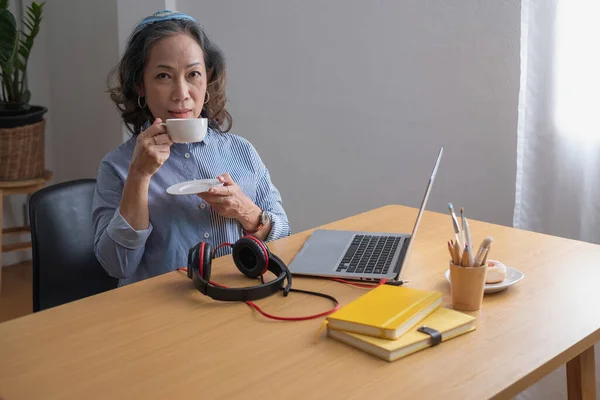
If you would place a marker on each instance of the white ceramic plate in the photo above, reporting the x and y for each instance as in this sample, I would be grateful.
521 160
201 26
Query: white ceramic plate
512 276
193 187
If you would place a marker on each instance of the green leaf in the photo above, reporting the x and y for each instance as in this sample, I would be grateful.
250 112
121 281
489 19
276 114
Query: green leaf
4 4
8 36
28 24
30 15
7 71
32 20
23 52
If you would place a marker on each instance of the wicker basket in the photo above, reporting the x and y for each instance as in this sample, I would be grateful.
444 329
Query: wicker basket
22 152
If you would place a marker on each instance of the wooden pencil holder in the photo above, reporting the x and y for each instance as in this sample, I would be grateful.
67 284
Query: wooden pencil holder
467 286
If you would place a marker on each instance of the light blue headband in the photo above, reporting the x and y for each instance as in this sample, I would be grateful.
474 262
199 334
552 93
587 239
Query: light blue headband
164 15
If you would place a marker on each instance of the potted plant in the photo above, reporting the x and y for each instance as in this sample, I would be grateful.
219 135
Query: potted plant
21 124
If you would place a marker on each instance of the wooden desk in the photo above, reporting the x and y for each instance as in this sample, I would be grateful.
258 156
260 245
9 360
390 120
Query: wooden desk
162 339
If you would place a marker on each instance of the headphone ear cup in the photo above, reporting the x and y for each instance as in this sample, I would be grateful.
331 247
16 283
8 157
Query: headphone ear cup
250 257
205 258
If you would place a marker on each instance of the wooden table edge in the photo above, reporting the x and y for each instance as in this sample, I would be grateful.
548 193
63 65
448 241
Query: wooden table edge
571 354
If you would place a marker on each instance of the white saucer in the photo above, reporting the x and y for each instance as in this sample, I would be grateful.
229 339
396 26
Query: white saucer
193 187
512 276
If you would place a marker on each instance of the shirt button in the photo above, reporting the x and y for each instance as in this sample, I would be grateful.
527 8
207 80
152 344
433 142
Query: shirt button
202 206
187 155
206 235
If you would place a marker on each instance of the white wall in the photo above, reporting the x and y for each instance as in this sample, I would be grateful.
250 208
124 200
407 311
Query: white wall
349 101
82 48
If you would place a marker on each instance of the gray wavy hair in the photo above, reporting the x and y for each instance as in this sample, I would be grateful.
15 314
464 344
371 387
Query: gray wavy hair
129 73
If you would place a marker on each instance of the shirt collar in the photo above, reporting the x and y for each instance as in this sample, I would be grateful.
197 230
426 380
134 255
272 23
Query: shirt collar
209 136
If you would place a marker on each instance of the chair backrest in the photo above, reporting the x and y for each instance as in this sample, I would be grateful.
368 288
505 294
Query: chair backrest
65 267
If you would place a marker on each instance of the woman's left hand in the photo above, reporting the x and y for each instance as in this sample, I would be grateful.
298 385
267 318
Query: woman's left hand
229 201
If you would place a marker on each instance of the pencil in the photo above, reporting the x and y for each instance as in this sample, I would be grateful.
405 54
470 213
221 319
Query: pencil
471 259
457 254
465 257
451 250
462 225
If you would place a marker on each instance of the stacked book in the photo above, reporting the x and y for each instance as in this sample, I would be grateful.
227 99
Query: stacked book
391 322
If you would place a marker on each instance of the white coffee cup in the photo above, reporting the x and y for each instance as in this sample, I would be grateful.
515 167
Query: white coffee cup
186 130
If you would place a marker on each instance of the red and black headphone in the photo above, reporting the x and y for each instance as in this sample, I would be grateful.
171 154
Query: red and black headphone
253 258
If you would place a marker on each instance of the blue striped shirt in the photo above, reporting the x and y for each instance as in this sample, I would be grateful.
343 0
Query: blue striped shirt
177 223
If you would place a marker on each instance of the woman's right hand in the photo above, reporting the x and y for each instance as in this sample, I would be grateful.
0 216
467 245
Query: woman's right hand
152 149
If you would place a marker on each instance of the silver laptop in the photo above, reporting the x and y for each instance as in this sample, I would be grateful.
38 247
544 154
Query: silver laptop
356 255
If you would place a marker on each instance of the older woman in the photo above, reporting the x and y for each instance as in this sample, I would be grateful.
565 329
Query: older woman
170 69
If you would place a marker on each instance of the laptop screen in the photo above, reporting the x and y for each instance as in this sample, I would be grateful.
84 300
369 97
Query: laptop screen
423 204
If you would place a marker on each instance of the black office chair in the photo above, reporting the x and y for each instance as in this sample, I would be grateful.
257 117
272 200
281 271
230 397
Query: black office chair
65 267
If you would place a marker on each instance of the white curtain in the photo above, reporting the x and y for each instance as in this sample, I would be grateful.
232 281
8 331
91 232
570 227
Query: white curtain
558 153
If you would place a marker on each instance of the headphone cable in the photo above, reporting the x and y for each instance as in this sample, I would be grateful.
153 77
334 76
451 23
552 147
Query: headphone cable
275 317
323 314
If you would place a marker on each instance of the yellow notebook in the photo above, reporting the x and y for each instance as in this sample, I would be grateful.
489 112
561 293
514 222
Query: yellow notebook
449 323
386 311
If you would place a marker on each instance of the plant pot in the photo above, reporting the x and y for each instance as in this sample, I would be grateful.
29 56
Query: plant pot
22 143
14 118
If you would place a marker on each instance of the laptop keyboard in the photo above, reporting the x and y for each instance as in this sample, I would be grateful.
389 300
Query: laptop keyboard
369 254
